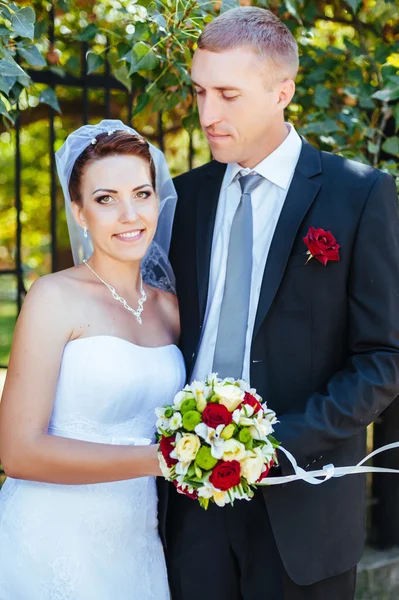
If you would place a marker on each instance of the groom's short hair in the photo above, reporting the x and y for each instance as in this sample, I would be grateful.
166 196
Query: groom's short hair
258 29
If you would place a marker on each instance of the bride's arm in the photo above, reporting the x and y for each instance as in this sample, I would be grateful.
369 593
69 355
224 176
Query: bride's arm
26 449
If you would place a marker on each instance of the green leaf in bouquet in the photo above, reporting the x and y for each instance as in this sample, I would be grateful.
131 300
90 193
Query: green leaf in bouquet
273 441
198 471
214 399
193 483
32 55
204 503
23 22
49 97
191 471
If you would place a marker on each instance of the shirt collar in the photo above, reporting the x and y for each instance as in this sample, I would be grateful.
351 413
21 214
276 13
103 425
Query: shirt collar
278 167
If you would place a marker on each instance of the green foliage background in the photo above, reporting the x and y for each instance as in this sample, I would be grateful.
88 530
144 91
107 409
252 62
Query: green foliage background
347 97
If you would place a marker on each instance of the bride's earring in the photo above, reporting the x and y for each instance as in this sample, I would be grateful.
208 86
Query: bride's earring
85 231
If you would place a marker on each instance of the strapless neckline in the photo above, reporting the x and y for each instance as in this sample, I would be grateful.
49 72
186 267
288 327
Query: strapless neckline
115 337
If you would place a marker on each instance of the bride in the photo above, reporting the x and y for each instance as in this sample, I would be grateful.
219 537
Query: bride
93 354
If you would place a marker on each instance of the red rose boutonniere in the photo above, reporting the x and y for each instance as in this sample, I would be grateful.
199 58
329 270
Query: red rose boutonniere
321 245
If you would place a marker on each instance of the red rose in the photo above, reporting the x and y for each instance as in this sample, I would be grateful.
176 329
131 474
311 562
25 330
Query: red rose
185 492
216 414
322 245
225 475
166 447
266 471
252 401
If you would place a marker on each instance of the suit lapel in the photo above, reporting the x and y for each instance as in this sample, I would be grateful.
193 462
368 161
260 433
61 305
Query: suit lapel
206 213
300 197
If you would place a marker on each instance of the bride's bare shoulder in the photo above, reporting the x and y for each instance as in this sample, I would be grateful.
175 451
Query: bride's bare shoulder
55 290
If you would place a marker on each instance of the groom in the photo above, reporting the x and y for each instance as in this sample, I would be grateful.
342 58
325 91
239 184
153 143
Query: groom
318 338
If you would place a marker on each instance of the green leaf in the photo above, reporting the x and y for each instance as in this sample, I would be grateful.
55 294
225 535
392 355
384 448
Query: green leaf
6 83
141 32
354 4
88 34
372 148
73 64
48 97
10 69
4 111
292 9
23 22
32 55
5 12
122 75
4 32
322 96
391 146
94 62
387 94
142 101
191 122
228 5
396 115
143 58
159 20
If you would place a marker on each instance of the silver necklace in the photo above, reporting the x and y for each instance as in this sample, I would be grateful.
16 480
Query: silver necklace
116 296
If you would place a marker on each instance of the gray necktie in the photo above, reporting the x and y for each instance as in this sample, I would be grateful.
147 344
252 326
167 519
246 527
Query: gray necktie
233 322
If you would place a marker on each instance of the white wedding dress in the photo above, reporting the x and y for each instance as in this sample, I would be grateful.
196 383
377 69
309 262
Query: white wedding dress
97 541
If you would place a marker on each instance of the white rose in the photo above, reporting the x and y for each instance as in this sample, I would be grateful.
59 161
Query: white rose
175 421
233 450
252 466
231 396
187 447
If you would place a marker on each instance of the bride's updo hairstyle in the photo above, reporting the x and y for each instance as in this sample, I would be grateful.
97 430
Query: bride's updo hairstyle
117 143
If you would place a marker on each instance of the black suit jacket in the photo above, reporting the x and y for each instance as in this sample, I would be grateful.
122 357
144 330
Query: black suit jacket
325 347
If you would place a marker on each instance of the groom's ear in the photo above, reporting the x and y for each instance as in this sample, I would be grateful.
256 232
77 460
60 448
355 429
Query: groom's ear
286 92
77 211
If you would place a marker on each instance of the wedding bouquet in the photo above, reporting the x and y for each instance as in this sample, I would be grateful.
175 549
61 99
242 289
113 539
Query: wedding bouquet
215 441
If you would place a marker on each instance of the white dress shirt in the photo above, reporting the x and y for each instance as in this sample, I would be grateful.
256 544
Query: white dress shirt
267 202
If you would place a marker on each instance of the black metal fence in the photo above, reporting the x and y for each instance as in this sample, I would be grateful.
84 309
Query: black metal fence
84 83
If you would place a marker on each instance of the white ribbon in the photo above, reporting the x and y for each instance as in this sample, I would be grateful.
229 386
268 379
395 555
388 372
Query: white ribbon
328 471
